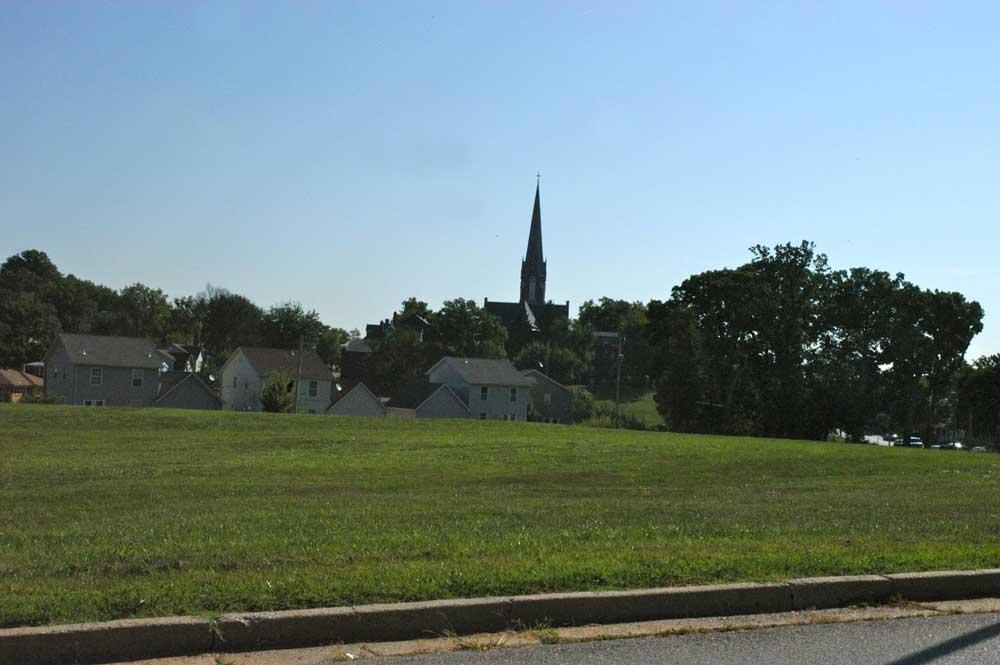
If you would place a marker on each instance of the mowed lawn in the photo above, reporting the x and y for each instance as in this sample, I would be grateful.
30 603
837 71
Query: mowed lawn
110 513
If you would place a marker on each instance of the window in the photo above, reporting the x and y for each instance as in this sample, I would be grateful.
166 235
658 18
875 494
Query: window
96 376
547 398
484 393
313 388
137 378
93 402
513 394
135 403
234 383
482 415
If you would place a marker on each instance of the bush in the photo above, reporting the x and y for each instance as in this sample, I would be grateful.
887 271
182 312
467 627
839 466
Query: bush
584 406
277 396
38 396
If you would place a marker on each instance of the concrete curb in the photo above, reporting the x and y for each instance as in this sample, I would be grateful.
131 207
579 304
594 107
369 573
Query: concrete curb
137 639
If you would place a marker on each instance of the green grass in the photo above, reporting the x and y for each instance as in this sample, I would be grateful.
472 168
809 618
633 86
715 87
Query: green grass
642 407
110 513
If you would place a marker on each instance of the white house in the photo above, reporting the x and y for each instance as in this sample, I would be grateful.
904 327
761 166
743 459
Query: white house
491 389
245 374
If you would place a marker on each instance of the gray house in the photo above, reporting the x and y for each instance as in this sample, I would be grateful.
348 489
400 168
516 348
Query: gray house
245 374
95 370
423 399
492 389
551 401
356 400
185 390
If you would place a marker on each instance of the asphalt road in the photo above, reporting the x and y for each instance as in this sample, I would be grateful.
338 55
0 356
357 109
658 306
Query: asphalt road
945 640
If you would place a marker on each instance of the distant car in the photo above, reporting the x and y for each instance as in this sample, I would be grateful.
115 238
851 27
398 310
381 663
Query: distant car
977 449
954 445
914 442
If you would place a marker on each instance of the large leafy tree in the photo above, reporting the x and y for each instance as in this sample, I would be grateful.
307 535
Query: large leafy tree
284 326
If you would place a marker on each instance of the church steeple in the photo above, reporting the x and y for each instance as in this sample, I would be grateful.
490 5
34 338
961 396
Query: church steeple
533 265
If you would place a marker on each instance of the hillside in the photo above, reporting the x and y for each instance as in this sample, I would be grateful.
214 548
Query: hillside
111 513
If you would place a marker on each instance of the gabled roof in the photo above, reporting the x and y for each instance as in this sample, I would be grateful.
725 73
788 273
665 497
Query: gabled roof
535 374
114 351
17 379
170 381
347 390
485 371
284 360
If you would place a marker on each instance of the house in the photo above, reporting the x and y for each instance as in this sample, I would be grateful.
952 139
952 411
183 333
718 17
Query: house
551 401
356 400
97 370
185 390
423 399
186 358
14 384
355 355
491 389
245 373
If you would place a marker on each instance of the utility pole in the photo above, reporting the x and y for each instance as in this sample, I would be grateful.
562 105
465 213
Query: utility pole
298 375
618 383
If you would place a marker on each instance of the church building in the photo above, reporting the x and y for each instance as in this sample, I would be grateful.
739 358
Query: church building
532 309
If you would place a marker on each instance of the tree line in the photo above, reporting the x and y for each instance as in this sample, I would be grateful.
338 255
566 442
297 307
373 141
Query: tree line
37 302
781 346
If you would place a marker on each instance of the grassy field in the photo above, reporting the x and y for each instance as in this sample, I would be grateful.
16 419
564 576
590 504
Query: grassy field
642 407
109 513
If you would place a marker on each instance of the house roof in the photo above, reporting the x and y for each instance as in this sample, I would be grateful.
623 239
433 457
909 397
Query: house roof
510 313
284 360
346 390
485 371
357 346
17 379
114 351
535 374
170 381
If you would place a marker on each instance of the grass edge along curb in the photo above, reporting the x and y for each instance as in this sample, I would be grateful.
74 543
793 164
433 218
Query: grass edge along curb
135 639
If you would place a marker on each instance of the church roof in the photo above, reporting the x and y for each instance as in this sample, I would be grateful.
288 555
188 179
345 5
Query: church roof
534 258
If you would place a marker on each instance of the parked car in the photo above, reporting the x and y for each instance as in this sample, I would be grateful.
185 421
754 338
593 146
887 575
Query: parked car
977 449
954 445
913 442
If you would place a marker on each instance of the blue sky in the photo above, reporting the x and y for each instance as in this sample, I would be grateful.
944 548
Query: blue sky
349 155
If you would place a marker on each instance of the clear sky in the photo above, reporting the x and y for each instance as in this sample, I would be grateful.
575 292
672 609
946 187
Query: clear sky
349 155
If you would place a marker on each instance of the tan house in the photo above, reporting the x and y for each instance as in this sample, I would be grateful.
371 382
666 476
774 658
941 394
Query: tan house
15 383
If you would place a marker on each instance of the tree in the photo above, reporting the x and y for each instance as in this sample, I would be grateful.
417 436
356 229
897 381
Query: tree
144 312
284 325
278 394
329 343
679 391
556 362
230 321
583 404
462 328
27 327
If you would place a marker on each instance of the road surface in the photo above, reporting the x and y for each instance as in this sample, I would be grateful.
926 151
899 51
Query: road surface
972 639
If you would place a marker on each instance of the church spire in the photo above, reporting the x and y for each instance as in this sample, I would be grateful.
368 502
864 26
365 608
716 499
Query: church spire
533 266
